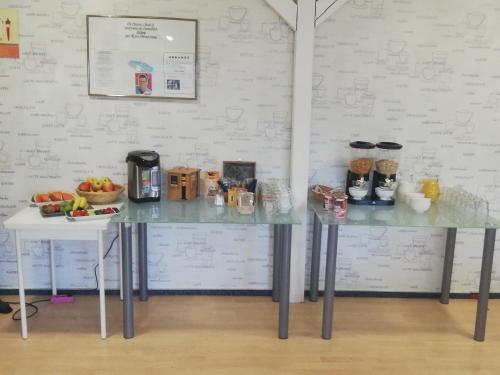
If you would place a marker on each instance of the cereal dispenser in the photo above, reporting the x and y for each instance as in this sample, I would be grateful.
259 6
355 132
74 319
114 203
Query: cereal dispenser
358 175
386 168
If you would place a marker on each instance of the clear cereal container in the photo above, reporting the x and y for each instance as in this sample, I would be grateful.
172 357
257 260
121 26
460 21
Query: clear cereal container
389 155
361 157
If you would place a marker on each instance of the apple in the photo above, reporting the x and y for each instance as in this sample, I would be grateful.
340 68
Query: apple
96 186
105 179
108 186
92 180
84 186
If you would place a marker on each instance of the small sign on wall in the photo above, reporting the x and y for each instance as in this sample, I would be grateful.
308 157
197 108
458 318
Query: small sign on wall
9 33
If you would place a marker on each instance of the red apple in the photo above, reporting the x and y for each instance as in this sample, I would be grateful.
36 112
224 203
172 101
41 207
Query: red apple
108 186
96 186
84 186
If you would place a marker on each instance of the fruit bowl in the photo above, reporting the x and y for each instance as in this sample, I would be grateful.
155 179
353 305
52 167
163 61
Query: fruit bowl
101 197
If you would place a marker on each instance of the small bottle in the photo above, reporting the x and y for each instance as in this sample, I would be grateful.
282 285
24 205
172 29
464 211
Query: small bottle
219 198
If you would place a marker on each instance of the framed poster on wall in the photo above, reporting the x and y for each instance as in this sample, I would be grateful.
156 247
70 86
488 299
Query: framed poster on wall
141 57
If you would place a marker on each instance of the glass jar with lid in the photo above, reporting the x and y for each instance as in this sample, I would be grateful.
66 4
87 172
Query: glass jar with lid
388 158
361 161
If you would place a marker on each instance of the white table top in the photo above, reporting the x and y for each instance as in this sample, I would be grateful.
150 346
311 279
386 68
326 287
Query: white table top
29 218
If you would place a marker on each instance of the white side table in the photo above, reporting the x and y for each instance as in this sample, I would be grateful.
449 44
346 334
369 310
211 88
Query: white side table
28 224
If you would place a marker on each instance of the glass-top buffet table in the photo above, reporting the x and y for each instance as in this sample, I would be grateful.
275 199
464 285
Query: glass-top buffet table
200 211
400 215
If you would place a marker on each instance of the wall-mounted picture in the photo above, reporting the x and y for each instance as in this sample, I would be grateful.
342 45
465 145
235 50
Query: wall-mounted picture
141 57
9 33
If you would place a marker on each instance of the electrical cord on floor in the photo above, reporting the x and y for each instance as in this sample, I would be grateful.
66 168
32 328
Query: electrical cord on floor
104 257
32 304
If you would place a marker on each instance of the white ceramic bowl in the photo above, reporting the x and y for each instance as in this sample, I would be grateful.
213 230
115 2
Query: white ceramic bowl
420 205
357 193
409 196
384 194
405 188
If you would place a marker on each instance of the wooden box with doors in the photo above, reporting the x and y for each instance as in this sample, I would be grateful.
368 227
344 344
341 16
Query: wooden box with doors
183 183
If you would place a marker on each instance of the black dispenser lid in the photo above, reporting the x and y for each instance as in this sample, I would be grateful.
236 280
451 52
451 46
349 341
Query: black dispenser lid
389 146
362 145
144 158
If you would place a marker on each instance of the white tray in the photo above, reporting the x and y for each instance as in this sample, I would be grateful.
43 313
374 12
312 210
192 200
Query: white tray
69 216
38 204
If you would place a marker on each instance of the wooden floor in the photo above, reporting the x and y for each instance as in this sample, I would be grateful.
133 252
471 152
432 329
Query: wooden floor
238 335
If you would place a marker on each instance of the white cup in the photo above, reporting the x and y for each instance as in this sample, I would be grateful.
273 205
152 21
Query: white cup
420 205
405 188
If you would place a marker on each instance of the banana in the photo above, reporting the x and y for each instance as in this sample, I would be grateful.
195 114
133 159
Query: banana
83 203
76 204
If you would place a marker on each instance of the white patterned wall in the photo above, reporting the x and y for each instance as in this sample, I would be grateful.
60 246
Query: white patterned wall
421 72
53 134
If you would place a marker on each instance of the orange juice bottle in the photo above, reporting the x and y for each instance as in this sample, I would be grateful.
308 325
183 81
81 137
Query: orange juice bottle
430 188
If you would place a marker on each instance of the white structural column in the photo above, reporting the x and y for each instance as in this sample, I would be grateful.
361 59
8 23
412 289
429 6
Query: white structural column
308 14
301 139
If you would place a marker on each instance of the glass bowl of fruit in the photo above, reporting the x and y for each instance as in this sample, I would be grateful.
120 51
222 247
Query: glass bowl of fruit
99 190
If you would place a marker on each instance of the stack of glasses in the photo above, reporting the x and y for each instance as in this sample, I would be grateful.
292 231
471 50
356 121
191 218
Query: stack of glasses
460 201
276 198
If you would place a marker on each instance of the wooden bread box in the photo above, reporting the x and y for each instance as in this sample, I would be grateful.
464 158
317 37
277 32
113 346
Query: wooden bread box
183 183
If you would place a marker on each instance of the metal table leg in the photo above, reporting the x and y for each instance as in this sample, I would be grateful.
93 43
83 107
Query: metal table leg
331 263
120 241
315 259
448 265
276 262
128 302
142 237
284 292
484 285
